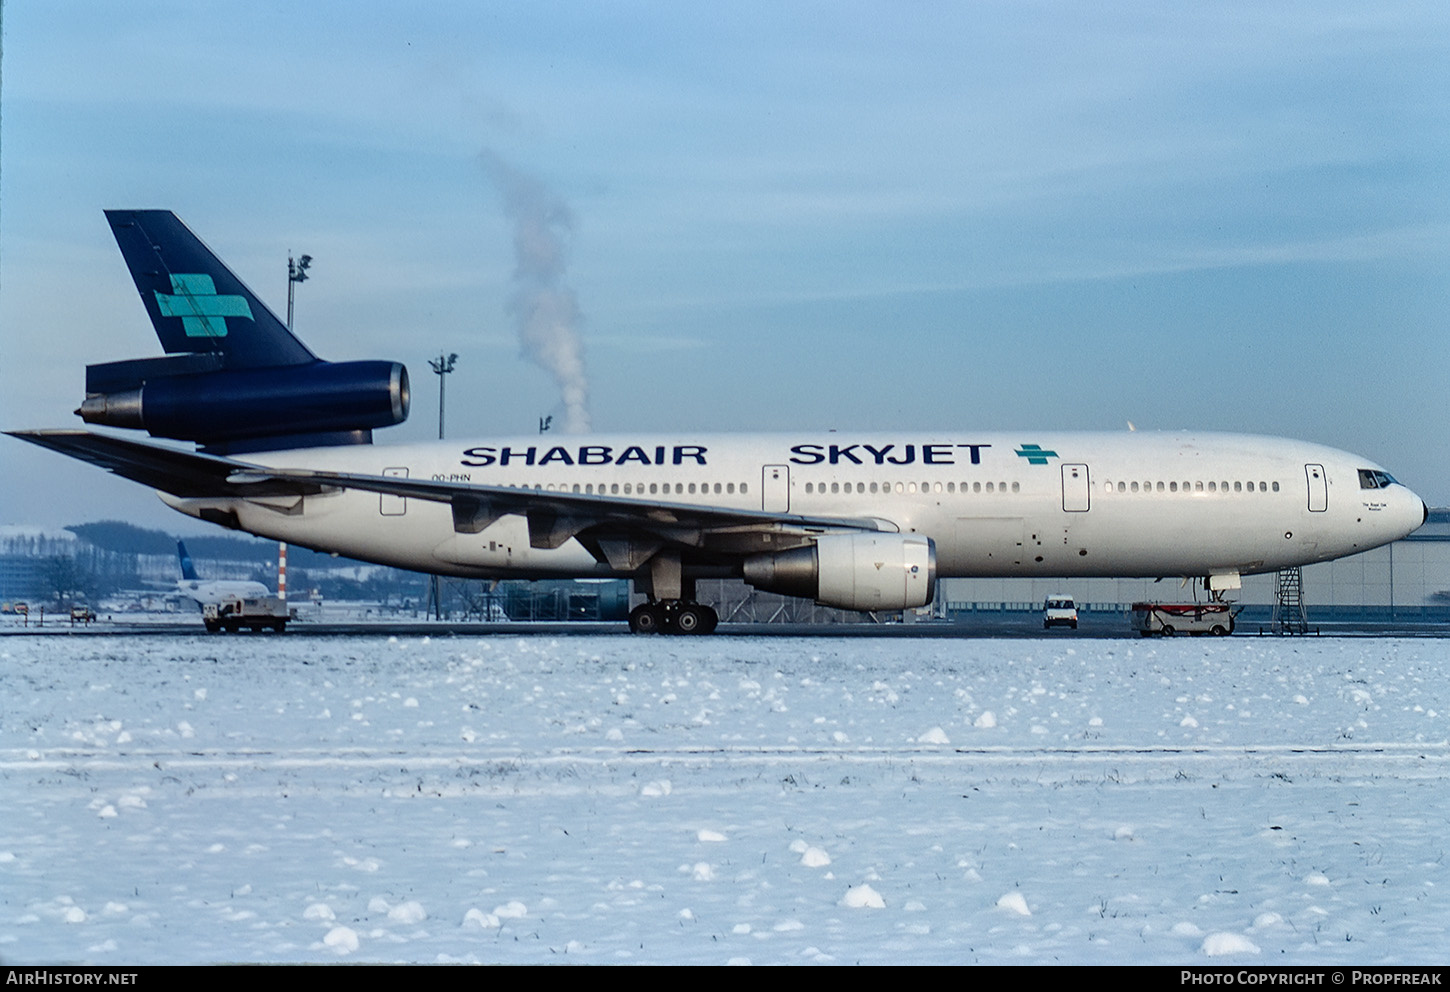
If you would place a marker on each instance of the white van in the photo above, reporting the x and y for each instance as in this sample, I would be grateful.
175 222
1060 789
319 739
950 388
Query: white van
1059 611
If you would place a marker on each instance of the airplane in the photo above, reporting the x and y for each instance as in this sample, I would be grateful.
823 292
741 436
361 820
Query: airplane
858 521
213 591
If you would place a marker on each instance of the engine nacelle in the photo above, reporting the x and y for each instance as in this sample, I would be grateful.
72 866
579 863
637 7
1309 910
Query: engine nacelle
231 405
856 571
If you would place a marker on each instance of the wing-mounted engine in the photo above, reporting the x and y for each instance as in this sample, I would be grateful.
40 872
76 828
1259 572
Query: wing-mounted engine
854 571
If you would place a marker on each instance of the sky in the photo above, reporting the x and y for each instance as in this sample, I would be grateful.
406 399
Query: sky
784 216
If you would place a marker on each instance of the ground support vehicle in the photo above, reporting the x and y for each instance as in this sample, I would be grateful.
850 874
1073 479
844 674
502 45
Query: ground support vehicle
257 613
1168 619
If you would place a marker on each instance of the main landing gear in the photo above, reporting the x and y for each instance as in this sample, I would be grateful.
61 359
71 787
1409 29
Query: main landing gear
672 616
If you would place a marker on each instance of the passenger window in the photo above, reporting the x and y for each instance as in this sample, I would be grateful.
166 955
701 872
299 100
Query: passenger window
1276 486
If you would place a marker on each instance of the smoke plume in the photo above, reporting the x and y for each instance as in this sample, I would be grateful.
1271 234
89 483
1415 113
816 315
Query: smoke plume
543 306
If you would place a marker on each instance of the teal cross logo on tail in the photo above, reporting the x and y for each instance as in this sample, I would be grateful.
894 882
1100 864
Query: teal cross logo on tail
1034 454
201 310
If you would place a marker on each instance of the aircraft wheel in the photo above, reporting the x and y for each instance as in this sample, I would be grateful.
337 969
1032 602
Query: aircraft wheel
646 619
690 619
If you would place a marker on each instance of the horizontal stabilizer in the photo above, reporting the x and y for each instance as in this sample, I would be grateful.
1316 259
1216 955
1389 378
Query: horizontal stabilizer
180 473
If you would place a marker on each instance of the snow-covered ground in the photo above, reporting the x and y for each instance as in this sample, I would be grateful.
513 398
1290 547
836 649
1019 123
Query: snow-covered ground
608 799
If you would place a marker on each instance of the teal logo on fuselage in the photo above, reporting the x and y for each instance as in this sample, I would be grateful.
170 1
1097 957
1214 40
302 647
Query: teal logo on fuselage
203 313
1034 454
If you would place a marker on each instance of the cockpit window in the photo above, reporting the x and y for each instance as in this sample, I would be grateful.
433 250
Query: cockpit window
1371 479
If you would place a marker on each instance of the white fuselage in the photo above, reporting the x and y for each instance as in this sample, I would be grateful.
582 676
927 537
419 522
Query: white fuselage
1021 504
215 591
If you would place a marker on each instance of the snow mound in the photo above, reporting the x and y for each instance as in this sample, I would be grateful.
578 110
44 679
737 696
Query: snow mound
408 912
1218 944
343 940
1013 902
985 721
814 857
935 735
710 837
863 897
478 918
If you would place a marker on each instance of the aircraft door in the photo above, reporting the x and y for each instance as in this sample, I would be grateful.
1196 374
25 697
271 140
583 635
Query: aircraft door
393 506
1076 490
1318 488
775 488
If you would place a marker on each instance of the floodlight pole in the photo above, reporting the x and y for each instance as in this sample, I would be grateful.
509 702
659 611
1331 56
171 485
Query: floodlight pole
442 365
296 272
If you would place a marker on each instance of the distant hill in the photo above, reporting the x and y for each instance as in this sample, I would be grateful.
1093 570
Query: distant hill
123 538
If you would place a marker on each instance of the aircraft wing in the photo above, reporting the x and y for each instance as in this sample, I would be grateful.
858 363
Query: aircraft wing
614 529
599 522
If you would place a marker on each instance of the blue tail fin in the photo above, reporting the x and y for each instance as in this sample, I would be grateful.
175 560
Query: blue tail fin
234 378
195 302
188 570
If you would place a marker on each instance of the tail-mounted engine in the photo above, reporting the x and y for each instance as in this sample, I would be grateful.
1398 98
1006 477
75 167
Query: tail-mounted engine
193 398
856 571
